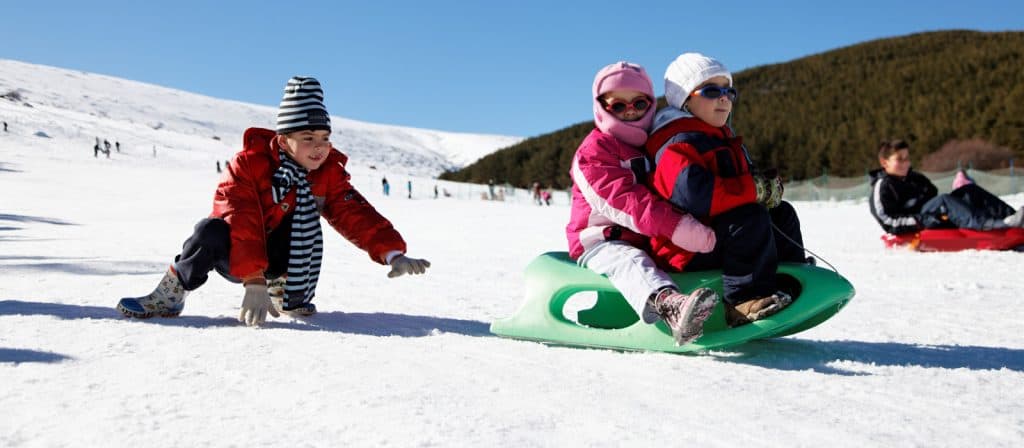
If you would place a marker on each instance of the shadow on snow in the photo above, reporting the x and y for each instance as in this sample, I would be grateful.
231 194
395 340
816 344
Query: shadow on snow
19 355
370 324
25 218
780 354
4 168
828 356
96 268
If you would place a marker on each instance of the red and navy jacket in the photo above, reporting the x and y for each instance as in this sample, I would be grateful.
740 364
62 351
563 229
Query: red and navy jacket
245 201
701 169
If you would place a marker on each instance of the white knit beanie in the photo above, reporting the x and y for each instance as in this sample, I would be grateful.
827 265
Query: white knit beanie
302 107
687 72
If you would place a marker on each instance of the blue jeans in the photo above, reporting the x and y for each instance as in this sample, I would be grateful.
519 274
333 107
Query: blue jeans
967 207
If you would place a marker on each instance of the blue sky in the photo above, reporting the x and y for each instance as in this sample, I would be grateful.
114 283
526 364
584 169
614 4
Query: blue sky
519 67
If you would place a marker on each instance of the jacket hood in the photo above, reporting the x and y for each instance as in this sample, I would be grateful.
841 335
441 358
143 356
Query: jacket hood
876 175
668 115
623 76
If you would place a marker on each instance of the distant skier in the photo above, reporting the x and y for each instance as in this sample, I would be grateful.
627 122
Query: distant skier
266 219
408 188
218 166
106 144
385 186
118 146
5 126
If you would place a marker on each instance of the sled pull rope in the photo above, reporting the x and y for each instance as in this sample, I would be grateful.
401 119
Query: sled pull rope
780 232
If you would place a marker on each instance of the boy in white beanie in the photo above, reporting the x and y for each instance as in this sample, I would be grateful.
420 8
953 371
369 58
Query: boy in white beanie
702 168
266 219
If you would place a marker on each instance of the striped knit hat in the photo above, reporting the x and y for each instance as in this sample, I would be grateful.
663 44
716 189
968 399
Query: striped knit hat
302 107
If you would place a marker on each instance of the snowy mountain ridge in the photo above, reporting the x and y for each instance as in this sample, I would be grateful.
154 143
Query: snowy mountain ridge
150 120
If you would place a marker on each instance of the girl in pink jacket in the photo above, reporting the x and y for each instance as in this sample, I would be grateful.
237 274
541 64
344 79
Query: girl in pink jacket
614 213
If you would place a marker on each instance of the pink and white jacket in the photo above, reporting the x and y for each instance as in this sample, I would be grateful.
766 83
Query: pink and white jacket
611 201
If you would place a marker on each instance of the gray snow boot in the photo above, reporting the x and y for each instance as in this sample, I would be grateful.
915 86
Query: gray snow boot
167 300
684 313
275 288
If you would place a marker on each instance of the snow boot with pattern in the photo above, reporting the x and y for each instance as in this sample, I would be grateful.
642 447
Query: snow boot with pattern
684 313
167 300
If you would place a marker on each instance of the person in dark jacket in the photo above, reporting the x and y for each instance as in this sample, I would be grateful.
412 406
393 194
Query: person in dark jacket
905 201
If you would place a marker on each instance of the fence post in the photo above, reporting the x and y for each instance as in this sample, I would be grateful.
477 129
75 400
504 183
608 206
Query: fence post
824 184
1013 179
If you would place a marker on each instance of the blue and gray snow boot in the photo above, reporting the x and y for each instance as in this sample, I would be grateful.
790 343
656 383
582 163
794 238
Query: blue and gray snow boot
167 300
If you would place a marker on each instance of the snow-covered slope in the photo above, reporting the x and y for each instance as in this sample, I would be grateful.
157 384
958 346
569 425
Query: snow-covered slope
74 108
929 353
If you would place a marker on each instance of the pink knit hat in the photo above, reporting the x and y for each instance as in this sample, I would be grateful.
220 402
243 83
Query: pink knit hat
623 76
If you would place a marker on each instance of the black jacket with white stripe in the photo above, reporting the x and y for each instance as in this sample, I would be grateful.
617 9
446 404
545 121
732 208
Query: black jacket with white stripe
896 201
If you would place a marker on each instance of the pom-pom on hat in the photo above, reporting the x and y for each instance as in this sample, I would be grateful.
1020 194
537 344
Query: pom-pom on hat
623 76
302 107
687 72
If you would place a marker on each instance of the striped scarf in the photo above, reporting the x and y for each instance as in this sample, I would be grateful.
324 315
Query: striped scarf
307 242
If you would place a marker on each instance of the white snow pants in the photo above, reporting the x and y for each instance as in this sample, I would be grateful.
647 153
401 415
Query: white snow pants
631 271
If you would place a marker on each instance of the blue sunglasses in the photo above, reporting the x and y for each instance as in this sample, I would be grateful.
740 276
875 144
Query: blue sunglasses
714 92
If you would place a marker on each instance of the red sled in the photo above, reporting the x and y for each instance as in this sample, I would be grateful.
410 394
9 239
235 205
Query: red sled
953 240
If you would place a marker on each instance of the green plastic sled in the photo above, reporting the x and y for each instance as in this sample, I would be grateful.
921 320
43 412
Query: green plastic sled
552 278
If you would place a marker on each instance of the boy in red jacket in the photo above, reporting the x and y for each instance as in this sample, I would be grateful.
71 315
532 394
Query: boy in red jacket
704 169
266 219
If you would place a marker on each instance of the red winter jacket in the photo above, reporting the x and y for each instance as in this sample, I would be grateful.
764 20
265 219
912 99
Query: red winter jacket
245 201
699 168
